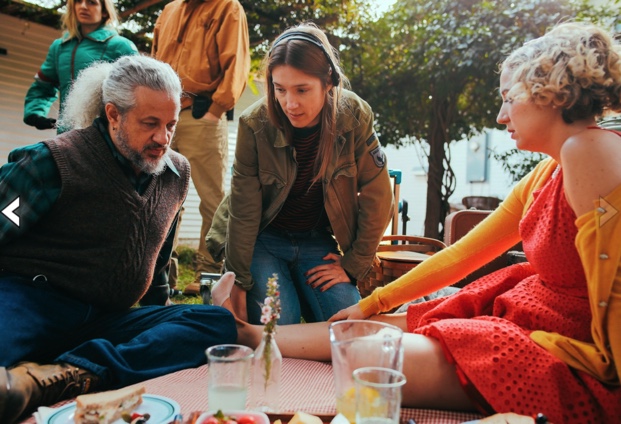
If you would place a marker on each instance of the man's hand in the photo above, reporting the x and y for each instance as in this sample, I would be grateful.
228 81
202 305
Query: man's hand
40 122
352 312
325 276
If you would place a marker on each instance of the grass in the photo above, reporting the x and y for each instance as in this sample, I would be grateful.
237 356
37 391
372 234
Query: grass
186 275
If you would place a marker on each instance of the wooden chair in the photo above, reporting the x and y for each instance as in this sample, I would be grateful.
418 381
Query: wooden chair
457 224
486 203
396 255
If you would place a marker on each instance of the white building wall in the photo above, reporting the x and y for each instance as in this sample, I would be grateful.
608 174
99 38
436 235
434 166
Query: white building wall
26 44
412 163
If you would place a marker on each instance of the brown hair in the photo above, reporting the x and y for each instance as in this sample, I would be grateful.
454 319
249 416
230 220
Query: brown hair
316 57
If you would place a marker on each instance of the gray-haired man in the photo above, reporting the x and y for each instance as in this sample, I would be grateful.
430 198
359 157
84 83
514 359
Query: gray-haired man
106 196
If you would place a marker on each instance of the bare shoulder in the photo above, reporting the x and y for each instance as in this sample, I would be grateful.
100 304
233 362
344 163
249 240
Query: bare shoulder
591 162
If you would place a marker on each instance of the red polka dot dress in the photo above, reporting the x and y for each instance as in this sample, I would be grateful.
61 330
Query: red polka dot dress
484 329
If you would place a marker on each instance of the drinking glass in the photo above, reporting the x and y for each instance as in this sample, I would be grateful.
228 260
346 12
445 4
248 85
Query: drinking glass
356 344
228 376
378 395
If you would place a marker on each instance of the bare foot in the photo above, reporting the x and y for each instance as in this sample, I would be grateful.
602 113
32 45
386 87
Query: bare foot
226 294
221 291
247 334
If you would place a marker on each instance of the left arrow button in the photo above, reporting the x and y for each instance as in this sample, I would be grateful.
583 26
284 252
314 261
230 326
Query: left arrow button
9 211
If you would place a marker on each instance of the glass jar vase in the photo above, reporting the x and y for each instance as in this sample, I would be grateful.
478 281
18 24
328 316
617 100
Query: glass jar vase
266 375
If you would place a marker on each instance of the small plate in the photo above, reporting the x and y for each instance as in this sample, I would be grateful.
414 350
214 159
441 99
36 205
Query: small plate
161 409
259 417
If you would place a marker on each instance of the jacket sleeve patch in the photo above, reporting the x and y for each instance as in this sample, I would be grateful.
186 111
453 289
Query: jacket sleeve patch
370 139
378 157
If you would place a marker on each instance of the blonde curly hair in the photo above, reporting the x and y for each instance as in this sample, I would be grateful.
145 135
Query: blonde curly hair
575 67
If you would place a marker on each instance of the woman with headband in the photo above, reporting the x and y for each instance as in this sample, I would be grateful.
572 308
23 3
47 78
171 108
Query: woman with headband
310 195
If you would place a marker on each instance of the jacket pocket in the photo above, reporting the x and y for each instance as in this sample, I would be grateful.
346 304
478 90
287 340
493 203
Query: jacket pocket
199 51
345 183
267 179
348 170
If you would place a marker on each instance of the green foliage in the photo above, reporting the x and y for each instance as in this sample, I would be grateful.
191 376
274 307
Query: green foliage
426 57
430 72
32 13
186 255
518 163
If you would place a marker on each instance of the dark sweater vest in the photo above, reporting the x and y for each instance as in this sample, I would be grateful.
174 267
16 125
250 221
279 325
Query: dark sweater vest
100 241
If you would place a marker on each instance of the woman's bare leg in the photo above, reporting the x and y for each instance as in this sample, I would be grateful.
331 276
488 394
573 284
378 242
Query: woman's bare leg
431 381
398 320
302 341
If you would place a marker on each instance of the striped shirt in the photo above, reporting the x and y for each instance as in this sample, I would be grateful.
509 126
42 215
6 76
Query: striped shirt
304 209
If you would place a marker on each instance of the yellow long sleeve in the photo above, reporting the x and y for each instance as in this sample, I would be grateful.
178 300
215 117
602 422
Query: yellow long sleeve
492 237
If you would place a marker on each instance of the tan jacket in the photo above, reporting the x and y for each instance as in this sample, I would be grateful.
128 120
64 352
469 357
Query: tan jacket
206 42
357 193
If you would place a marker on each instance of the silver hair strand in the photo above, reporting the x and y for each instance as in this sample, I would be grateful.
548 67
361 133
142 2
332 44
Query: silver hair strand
103 83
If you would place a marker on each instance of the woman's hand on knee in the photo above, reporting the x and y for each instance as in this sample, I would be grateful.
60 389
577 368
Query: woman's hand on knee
327 275
352 312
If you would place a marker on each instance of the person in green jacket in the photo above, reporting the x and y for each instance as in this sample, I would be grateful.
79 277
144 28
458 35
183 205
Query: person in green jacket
89 37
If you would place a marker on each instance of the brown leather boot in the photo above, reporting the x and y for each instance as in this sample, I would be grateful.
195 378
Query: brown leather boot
26 386
192 289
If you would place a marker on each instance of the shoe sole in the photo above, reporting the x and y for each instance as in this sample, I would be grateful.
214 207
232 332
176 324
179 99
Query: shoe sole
4 393
190 290
7 411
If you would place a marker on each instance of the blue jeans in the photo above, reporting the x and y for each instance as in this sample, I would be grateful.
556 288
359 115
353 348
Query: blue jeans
41 324
290 256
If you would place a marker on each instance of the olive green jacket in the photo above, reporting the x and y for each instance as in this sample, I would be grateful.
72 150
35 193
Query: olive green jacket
357 192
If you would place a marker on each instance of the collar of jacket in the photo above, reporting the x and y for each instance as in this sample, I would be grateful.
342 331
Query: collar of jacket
100 35
345 122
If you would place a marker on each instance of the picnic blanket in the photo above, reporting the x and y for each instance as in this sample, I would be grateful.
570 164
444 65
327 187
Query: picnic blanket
306 386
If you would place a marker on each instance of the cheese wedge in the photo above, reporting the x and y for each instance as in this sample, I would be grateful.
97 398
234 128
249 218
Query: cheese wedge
304 418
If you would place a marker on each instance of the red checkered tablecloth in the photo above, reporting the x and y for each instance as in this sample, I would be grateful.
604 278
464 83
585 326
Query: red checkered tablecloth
306 386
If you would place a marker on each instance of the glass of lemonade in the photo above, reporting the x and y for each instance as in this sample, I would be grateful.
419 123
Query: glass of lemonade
356 344
378 395
228 376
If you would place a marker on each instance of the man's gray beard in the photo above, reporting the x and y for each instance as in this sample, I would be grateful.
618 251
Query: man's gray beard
136 158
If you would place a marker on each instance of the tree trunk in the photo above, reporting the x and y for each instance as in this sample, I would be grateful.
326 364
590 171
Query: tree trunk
437 202
435 174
